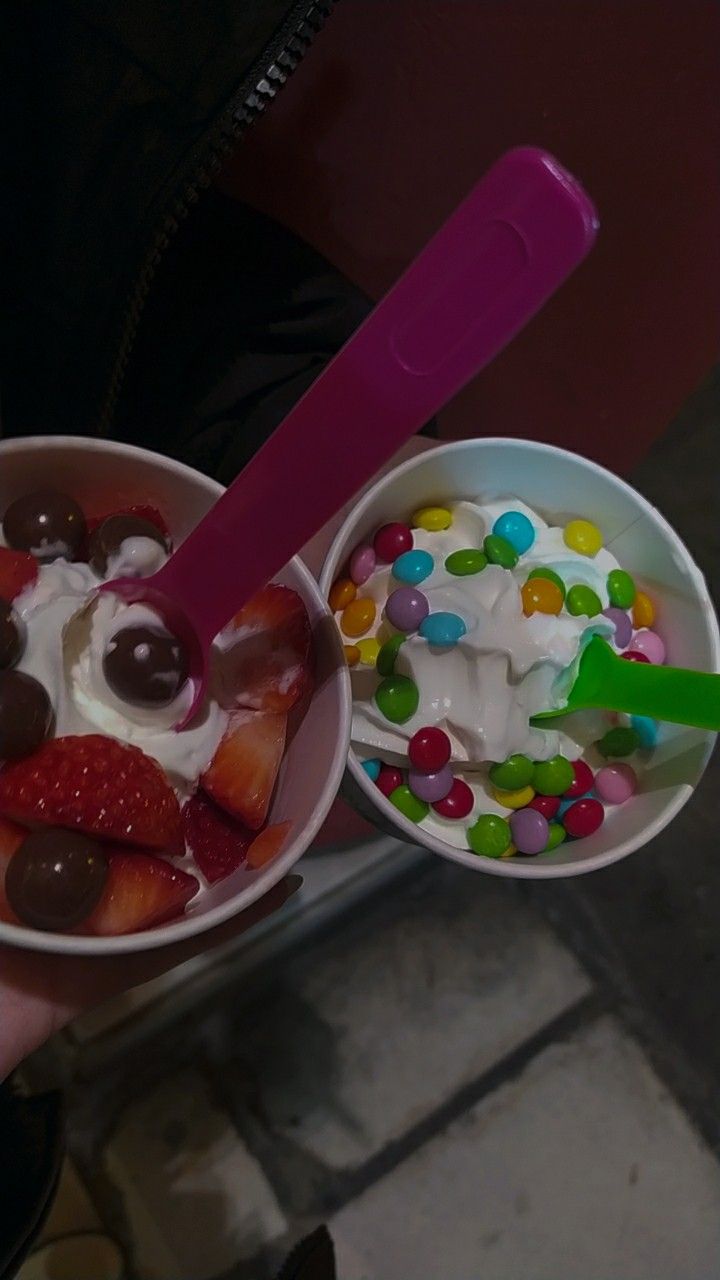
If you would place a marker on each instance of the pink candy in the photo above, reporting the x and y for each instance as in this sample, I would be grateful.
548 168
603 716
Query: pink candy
616 783
362 563
650 645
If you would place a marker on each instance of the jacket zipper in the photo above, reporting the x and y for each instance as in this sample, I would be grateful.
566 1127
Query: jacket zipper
257 92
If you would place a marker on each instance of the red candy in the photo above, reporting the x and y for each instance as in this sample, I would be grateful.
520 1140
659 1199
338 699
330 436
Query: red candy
388 779
584 779
633 655
391 541
546 805
429 749
583 817
457 803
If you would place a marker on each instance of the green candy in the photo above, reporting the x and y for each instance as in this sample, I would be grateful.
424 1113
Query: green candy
553 777
556 835
463 563
385 664
513 774
408 804
583 601
551 575
398 698
489 836
499 551
621 741
621 589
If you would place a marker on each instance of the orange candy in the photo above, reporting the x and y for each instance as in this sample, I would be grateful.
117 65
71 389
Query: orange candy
643 613
342 592
358 617
540 595
352 654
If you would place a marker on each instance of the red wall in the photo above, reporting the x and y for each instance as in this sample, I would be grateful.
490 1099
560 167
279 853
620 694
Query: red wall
402 104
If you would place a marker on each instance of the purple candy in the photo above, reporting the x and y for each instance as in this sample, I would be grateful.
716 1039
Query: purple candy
623 626
431 786
362 563
529 830
649 644
406 608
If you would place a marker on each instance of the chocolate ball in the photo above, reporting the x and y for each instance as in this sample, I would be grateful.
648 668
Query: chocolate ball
12 635
26 714
56 878
47 523
106 540
145 666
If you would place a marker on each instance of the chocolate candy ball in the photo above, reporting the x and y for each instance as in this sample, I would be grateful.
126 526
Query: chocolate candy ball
145 666
107 539
26 715
47 523
55 879
12 636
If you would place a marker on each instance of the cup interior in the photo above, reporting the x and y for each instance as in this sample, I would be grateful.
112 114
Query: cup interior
103 476
560 486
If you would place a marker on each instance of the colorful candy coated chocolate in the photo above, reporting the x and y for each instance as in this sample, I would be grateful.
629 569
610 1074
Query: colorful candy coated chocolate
620 741
650 644
388 780
430 786
458 802
432 519
621 589
646 730
442 629
583 780
529 831
632 655
406 608
391 541
362 563
369 650
388 654
546 805
408 804
352 654
643 610
616 783
513 799
342 591
556 835
582 601
582 536
397 697
513 773
623 626
413 567
372 769
358 616
500 551
551 576
465 562
429 749
516 529
553 777
489 836
583 818
540 595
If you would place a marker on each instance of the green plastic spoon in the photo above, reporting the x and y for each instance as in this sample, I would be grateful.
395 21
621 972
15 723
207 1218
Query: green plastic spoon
639 689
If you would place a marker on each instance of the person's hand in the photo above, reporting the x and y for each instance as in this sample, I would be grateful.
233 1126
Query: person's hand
40 993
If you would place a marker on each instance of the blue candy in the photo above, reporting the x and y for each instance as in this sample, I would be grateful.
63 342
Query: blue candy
564 806
646 730
443 629
372 769
413 567
516 529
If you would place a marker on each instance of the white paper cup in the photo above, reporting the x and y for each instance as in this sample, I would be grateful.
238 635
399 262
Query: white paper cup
102 476
559 485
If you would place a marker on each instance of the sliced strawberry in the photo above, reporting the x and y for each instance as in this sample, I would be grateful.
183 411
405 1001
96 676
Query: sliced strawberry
217 842
18 570
143 510
267 845
141 891
11 837
244 769
97 785
265 654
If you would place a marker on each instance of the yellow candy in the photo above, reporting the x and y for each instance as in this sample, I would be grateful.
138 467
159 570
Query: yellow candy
369 650
432 518
509 852
352 654
358 617
514 799
643 613
342 592
583 537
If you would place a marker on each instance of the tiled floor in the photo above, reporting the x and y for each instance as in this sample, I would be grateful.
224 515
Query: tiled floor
467 1079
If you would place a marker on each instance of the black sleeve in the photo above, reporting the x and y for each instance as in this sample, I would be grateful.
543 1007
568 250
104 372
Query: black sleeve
32 1149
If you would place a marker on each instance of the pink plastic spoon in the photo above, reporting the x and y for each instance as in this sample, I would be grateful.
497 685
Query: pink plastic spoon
521 231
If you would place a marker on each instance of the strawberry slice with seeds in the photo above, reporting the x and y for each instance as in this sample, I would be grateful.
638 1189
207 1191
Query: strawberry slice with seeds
18 570
94 784
267 845
244 769
217 842
264 660
141 891
11 837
